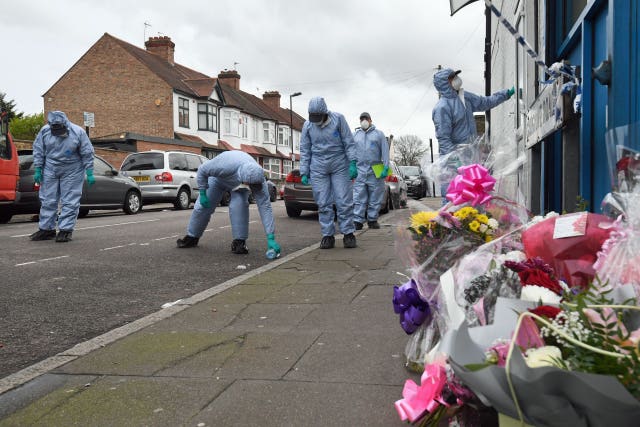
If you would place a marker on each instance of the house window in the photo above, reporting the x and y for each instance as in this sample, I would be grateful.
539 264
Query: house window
283 136
272 166
254 126
267 133
244 126
206 117
296 140
231 123
183 112
286 167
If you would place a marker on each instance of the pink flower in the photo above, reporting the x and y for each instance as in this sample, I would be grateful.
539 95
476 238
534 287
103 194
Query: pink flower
529 334
418 400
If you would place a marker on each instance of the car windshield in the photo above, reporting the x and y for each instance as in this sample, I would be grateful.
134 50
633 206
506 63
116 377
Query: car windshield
26 161
144 161
410 170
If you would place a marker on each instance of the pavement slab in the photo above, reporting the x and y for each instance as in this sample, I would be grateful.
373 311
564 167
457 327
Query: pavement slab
314 294
353 358
145 353
120 401
277 318
207 316
292 403
371 319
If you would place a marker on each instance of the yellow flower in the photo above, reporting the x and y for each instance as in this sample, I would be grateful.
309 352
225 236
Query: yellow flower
423 218
463 213
482 218
487 239
474 225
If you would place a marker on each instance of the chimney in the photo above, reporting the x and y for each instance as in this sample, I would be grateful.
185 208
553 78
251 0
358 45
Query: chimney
161 46
230 78
272 99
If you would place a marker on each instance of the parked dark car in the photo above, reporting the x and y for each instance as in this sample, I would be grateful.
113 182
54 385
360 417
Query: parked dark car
417 183
111 190
299 197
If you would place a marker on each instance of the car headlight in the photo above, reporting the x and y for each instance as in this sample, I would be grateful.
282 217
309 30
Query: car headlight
416 182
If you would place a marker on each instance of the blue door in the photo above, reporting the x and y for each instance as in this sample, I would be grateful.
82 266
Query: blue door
598 184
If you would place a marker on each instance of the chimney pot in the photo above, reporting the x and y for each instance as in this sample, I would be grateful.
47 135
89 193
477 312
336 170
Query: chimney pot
272 99
230 78
161 46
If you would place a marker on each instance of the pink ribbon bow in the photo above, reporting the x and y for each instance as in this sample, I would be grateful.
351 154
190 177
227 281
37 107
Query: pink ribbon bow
423 398
472 184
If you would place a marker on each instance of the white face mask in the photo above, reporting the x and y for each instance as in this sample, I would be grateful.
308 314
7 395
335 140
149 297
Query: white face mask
456 83
364 124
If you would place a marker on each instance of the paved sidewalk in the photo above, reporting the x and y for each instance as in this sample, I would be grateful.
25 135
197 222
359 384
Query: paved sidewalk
310 340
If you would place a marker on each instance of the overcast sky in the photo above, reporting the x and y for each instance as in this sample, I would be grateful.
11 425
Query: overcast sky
377 56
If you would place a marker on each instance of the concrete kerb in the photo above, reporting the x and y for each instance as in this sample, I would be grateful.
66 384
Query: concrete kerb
27 374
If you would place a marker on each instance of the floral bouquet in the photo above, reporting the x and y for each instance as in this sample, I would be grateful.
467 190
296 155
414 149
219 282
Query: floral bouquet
576 364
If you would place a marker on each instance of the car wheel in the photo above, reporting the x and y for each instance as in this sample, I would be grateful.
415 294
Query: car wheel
83 212
182 200
132 203
226 198
385 208
5 217
293 212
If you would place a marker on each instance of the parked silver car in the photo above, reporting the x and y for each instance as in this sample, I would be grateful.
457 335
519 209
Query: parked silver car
165 176
299 197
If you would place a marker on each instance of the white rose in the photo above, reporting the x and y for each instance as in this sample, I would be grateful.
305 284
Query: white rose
538 293
483 228
515 256
548 355
493 223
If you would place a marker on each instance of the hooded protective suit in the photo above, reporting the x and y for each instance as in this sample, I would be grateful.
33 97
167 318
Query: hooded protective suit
326 150
223 173
452 118
63 160
372 147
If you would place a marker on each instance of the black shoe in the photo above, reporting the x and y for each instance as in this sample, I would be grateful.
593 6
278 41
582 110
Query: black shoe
63 236
374 225
349 241
238 246
187 242
358 225
43 235
327 242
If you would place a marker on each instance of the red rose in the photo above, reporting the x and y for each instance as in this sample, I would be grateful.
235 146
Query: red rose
533 276
548 311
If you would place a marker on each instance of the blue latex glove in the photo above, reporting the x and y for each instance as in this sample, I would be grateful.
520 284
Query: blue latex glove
90 178
510 92
385 172
204 200
37 177
272 244
305 180
353 170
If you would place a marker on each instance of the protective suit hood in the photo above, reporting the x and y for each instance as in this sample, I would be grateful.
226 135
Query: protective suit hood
251 173
58 117
441 83
318 106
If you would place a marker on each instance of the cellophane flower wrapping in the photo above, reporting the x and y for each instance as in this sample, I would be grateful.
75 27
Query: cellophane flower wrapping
618 263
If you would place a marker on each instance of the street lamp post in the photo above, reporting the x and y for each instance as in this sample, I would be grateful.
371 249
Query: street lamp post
293 156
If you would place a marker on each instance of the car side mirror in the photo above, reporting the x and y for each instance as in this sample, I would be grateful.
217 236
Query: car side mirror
114 172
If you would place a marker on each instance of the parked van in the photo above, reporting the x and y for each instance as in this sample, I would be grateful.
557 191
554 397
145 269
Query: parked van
9 163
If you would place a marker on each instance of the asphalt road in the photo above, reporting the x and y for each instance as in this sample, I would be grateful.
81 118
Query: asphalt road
117 269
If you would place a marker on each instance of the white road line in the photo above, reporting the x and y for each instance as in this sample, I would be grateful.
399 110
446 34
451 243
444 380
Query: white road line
41 260
113 247
102 226
168 237
228 226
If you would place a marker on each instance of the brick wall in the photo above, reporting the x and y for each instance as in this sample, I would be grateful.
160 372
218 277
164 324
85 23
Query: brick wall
146 146
123 94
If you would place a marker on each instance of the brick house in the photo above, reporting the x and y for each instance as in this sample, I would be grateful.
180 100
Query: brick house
142 99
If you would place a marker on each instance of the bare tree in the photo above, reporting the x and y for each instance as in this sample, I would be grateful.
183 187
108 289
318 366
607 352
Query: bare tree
408 150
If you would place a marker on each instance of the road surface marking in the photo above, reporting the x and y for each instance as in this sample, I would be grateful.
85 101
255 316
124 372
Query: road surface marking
101 226
168 237
227 226
41 260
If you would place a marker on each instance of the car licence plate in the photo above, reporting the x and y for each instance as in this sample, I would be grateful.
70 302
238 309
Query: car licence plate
141 178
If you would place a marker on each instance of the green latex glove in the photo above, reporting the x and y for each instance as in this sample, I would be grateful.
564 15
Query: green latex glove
305 180
510 92
272 244
204 200
353 170
37 177
385 172
90 178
